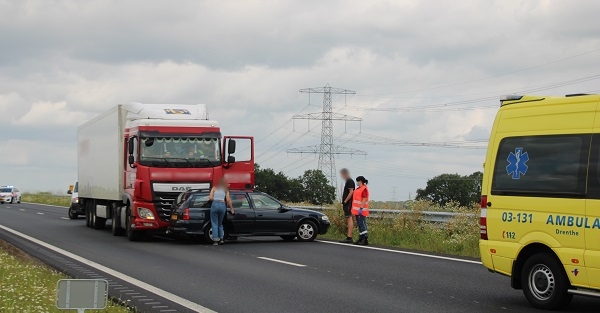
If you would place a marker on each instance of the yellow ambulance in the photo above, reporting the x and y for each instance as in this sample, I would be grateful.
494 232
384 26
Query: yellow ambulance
540 203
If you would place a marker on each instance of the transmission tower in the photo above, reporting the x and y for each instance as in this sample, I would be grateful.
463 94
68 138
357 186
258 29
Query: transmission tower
327 150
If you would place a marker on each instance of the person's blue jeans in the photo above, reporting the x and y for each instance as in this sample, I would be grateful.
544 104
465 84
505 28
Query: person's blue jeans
217 213
361 221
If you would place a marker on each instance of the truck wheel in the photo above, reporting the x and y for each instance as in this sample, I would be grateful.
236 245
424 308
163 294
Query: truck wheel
545 283
307 231
116 227
97 222
72 215
88 216
133 235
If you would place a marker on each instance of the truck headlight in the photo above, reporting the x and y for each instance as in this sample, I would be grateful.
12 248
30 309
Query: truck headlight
145 214
325 218
75 200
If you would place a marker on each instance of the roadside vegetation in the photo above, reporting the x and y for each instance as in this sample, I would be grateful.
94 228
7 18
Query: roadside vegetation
27 285
407 230
46 198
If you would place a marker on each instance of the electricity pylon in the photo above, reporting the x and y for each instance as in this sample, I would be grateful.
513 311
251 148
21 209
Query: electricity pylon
327 150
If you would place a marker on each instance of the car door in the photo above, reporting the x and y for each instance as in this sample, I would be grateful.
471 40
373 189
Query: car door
243 221
271 215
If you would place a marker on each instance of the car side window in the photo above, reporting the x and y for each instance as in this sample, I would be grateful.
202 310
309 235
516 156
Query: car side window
262 202
240 201
200 201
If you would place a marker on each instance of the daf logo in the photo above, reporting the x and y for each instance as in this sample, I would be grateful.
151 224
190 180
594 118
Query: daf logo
181 188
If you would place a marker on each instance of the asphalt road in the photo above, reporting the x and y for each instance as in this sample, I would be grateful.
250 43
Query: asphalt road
245 276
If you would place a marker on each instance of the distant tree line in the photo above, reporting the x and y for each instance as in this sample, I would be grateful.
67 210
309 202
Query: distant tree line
445 188
312 186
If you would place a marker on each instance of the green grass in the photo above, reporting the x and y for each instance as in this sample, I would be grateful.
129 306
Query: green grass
459 237
46 198
26 285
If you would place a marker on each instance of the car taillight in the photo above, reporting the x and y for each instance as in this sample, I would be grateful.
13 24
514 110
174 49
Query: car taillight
483 219
186 214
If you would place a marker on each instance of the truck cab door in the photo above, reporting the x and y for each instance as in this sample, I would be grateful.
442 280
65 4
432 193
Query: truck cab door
238 160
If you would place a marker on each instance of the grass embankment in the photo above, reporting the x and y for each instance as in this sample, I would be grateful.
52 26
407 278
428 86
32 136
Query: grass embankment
26 285
46 198
409 231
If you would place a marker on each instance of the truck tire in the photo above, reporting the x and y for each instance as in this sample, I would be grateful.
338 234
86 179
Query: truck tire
88 216
116 220
97 222
133 235
545 283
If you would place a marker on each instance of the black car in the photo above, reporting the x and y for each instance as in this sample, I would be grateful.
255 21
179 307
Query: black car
256 214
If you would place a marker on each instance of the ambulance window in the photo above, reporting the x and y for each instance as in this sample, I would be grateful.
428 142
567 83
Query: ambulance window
553 166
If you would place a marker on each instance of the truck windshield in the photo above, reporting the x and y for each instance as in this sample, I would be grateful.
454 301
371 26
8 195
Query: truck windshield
180 152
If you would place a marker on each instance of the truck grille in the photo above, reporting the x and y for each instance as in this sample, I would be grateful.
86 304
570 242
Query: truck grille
163 202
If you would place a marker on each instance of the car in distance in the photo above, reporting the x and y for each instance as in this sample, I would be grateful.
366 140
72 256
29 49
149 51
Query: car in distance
75 208
256 214
9 194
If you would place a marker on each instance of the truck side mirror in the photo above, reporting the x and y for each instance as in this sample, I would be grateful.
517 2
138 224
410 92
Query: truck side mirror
231 146
130 146
231 159
131 160
69 192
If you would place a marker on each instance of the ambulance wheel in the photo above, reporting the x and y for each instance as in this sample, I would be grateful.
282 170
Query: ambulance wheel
545 283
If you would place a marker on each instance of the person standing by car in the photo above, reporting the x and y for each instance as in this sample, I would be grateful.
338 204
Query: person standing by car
360 209
347 203
219 195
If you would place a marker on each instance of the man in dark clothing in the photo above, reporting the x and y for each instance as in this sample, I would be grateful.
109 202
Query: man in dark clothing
347 203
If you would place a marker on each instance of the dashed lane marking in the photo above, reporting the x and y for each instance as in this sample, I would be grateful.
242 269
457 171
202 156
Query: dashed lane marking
281 261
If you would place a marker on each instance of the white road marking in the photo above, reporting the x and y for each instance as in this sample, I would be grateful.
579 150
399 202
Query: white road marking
403 252
280 261
160 292
40 213
22 210
56 206
64 218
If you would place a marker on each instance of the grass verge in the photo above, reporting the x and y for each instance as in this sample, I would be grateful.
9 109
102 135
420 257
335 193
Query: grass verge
46 198
26 285
458 237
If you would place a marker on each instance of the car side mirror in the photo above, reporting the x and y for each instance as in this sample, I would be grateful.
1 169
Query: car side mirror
231 146
231 159
69 192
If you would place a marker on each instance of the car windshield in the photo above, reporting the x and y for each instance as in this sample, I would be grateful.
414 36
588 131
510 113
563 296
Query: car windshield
180 152
5 189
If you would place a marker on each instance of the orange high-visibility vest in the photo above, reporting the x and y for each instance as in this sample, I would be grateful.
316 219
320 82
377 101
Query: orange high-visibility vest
357 201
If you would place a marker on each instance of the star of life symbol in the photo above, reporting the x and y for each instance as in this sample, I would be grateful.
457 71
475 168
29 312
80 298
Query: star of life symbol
516 163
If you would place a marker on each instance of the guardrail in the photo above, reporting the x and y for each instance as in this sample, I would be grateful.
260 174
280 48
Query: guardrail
428 216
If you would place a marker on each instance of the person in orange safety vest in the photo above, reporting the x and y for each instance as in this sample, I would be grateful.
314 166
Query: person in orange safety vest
360 209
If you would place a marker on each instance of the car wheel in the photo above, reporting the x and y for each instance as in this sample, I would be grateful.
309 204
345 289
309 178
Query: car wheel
307 231
72 215
545 283
133 235
207 237
288 238
116 221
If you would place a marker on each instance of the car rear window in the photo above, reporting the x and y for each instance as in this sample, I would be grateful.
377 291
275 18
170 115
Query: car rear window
199 201
553 166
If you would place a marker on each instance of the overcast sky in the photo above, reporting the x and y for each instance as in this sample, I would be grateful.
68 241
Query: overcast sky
423 71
